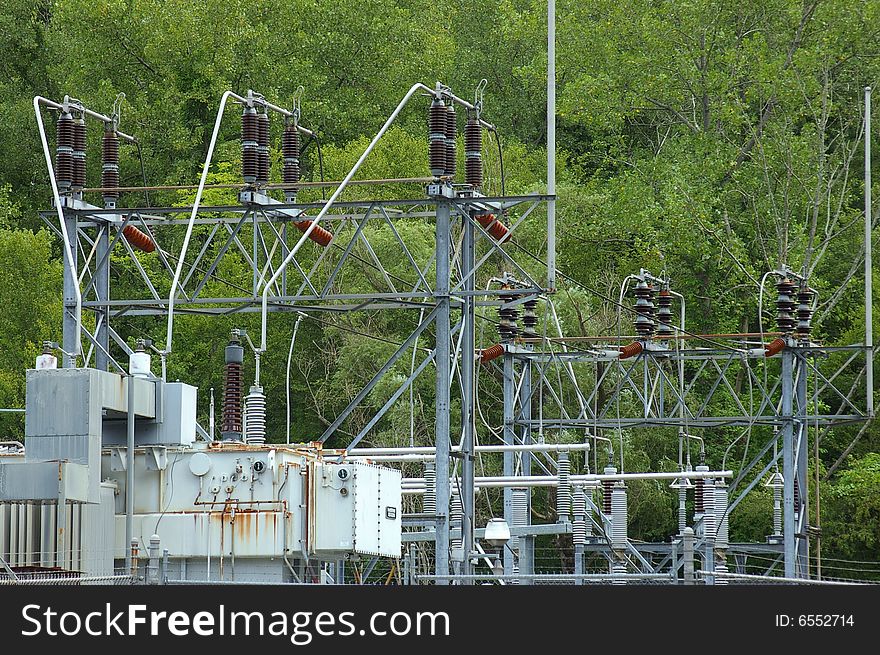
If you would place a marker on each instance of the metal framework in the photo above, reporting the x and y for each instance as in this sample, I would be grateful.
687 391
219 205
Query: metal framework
551 391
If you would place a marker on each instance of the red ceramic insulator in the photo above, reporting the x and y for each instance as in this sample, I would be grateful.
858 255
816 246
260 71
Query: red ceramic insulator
496 229
319 235
138 239
490 353
774 347
631 350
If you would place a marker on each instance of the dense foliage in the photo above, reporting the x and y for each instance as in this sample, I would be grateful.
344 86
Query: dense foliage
711 139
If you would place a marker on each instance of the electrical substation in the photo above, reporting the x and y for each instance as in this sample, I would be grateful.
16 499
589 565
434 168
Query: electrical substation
119 481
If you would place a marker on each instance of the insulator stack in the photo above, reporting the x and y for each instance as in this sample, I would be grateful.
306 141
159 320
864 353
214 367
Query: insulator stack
496 229
456 515
429 499
699 489
79 154
530 318
645 309
618 569
437 123
231 417
519 508
618 516
722 524
682 508
607 486
721 567
804 313
319 235
110 166
250 130
785 306
579 515
508 329
563 488
64 152
664 314
777 505
290 150
490 353
473 152
262 148
709 524
451 130
255 416
138 239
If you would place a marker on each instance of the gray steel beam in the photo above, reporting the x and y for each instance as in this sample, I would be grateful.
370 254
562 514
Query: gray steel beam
441 399
788 464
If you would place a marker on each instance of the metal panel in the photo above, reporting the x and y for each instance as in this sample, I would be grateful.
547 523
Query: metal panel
43 481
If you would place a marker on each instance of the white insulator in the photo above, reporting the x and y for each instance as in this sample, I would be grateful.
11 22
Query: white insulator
709 524
563 489
46 361
429 500
519 505
618 516
777 511
139 364
682 509
579 512
255 416
618 569
455 519
722 536
721 567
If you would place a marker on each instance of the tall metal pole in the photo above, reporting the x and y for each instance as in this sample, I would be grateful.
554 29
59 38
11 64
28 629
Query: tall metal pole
508 456
129 474
788 465
70 326
802 546
467 401
527 542
551 143
869 297
102 291
441 423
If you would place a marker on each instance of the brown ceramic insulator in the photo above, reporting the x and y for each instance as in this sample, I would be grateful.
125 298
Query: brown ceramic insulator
508 328
249 155
290 150
64 152
698 496
496 229
231 417
138 239
451 130
437 138
262 148
645 309
79 153
664 314
785 305
774 347
473 153
490 353
110 164
804 313
530 318
631 350
319 235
